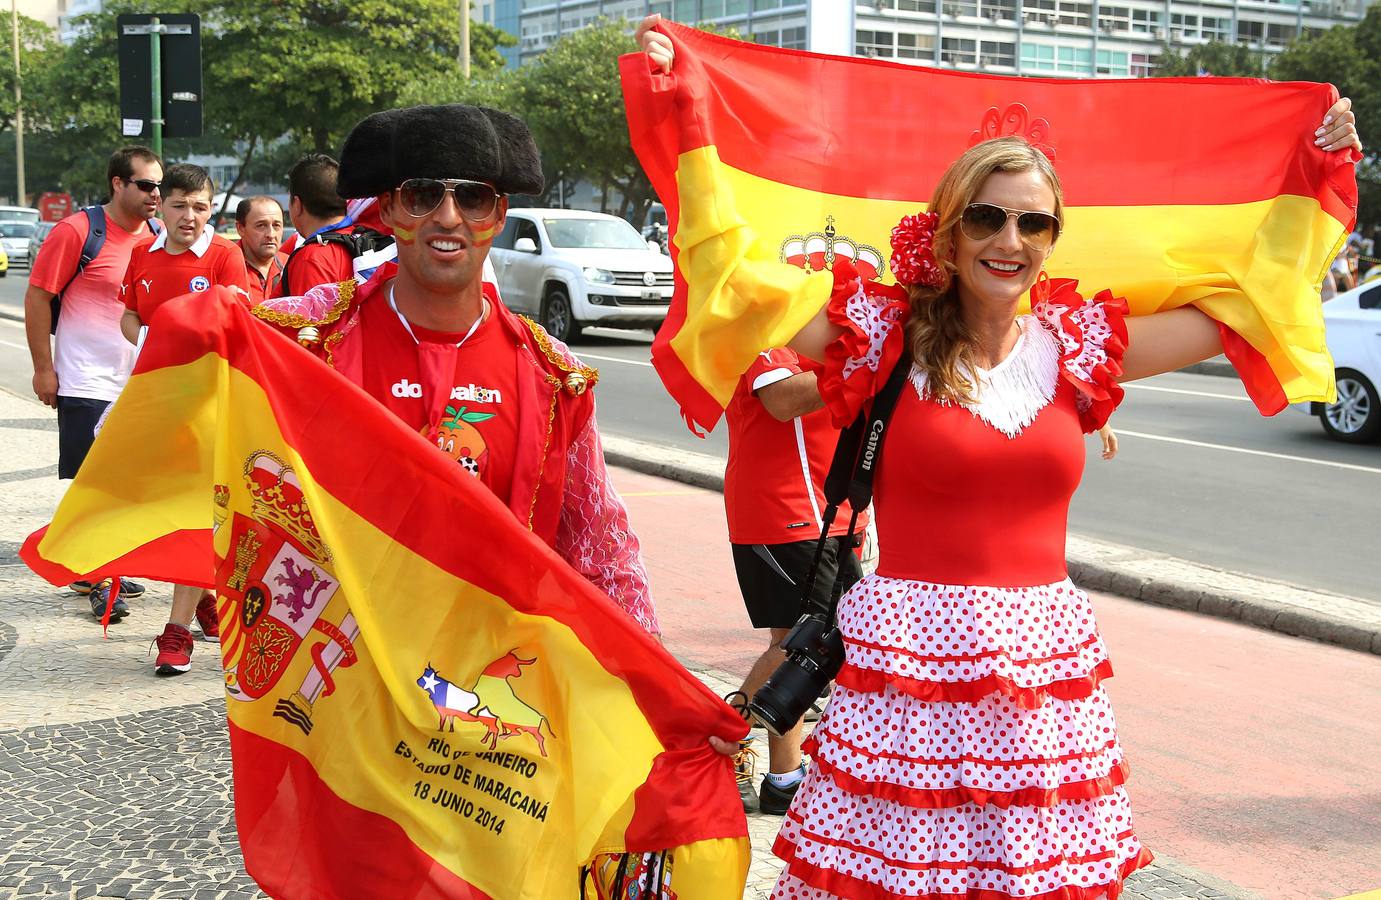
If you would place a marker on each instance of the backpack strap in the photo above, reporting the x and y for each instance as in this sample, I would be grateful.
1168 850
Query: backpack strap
91 248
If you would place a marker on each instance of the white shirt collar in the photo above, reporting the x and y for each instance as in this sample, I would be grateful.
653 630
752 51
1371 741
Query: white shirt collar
199 248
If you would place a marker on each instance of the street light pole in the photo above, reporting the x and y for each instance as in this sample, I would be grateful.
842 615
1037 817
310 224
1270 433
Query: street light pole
156 30
464 57
18 109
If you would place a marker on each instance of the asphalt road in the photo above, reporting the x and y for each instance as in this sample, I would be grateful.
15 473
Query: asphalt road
1200 475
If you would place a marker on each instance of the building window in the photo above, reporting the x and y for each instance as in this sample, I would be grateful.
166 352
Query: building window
1074 60
956 8
1147 21
790 38
1280 35
1141 65
997 53
1075 14
1251 32
873 43
1114 18
959 52
916 46
1037 57
1114 62
905 5
998 10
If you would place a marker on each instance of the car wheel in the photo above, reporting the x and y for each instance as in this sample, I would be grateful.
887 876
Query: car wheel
1356 416
557 317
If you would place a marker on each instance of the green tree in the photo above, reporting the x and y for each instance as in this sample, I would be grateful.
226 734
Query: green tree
1348 57
573 102
1214 58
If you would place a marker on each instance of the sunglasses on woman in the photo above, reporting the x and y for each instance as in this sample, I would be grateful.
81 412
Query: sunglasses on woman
981 221
143 184
421 197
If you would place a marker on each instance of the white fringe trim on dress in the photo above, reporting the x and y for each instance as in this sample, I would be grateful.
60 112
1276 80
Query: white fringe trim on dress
1012 394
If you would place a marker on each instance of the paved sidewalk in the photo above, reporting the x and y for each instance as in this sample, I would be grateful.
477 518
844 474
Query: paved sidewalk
116 782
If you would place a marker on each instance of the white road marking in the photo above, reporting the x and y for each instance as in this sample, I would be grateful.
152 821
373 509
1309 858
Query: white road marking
1303 459
617 359
15 346
1166 390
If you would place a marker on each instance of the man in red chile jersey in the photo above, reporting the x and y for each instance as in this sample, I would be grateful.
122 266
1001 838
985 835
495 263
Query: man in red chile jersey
780 445
429 339
185 257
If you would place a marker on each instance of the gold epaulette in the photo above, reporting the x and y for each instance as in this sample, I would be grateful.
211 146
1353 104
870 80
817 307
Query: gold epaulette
307 326
579 378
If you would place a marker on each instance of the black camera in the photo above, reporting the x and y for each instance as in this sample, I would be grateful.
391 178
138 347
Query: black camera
814 653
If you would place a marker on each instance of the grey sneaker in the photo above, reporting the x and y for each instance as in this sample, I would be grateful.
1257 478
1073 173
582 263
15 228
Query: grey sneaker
98 597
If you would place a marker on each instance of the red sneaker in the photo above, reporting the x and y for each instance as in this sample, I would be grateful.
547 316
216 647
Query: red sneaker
207 620
174 650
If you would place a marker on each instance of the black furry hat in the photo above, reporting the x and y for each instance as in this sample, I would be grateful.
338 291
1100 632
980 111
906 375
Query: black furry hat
452 141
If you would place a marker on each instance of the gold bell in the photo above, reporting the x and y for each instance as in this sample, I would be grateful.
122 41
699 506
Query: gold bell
576 383
308 335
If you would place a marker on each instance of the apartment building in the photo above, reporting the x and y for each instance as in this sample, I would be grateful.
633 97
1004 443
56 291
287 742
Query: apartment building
1071 38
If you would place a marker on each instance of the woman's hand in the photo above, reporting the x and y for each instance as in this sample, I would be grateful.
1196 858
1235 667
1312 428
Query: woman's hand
1339 128
656 45
1109 439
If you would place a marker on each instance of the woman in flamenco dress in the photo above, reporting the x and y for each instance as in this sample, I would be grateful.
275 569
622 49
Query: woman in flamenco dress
969 749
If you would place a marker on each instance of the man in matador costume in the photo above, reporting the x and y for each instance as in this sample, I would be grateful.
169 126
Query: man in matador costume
431 340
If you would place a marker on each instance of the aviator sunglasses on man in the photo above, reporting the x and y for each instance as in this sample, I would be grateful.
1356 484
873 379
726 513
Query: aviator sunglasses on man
980 221
421 197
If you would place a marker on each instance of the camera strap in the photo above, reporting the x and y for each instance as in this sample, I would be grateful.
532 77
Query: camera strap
850 477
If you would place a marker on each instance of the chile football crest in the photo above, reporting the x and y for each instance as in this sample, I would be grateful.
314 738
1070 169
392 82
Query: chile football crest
276 581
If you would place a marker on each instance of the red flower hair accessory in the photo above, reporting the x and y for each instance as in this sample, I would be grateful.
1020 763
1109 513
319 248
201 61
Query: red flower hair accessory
913 257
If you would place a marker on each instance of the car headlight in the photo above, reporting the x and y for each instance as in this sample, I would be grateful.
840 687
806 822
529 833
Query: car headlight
599 276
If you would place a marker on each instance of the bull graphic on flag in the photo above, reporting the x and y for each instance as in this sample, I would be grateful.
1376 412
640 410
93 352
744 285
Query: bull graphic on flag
490 701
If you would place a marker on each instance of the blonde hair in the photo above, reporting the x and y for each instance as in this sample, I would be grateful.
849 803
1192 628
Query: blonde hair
940 341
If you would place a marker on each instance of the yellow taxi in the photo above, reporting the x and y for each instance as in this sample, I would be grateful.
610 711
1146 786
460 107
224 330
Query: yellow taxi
4 263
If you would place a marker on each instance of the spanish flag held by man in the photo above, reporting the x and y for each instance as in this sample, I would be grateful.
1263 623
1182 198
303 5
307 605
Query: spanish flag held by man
424 699
766 156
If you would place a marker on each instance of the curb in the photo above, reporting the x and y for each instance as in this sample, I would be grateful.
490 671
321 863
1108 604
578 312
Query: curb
1113 568
13 317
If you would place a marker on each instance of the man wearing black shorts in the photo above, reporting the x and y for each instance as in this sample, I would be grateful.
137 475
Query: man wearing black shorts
87 362
780 445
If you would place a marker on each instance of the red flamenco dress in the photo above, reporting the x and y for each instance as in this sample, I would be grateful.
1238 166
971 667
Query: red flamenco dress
968 750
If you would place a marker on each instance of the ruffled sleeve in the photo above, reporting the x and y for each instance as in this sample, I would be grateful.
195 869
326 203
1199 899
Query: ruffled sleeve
1093 337
858 362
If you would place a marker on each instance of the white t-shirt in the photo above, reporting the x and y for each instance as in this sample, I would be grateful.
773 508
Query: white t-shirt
91 356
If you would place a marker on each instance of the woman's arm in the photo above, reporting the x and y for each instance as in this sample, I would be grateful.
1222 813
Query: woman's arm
817 334
1166 341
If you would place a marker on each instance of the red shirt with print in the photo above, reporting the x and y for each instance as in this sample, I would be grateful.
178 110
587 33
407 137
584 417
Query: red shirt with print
156 276
478 421
773 484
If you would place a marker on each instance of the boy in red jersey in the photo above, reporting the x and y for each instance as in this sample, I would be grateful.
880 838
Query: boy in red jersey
186 257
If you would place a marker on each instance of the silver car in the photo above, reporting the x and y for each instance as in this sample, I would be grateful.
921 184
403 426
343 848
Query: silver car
15 237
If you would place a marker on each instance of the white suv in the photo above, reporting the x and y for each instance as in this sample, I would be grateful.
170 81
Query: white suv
569 269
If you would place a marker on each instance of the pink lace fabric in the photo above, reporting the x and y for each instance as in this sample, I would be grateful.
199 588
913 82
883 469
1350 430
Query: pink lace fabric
312 305
594 535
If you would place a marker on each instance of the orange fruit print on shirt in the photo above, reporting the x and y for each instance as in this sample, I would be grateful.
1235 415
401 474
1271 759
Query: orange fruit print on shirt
459 439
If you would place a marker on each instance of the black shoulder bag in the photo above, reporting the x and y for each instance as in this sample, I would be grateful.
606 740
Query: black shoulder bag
814 647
